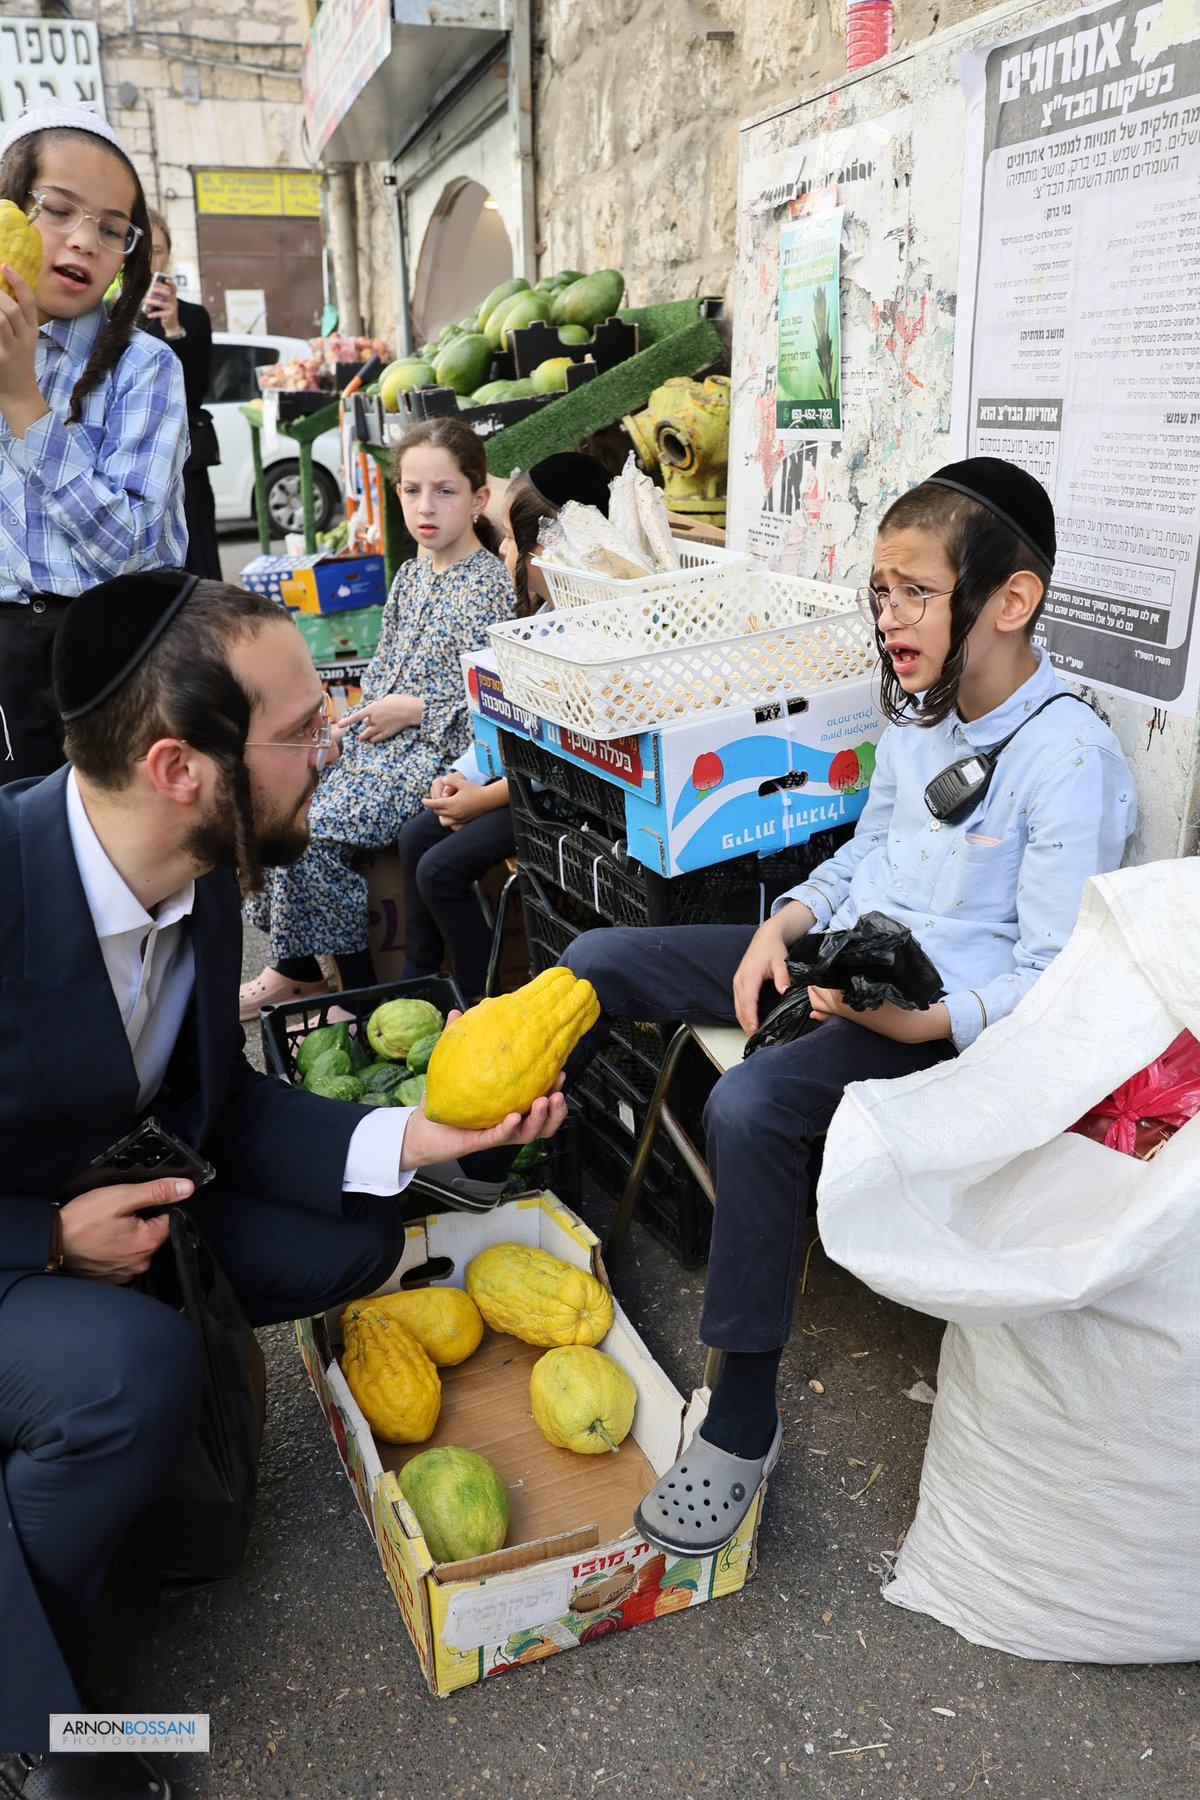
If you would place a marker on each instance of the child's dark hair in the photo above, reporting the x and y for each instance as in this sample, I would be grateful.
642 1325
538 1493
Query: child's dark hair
185 688
468 452
984 552
18 177
527 513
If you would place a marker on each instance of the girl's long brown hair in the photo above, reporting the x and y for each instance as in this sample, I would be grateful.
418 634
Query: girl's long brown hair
468 452
18 175
527 514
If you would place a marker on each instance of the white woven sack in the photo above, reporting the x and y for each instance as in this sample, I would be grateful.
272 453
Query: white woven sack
1059 1512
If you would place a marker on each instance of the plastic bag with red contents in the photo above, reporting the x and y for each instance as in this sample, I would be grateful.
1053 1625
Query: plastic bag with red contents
1140 1115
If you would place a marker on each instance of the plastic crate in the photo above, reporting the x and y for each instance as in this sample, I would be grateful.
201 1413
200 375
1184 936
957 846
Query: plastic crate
600 800
617 668
597 871
284 1026
703 569
670 1205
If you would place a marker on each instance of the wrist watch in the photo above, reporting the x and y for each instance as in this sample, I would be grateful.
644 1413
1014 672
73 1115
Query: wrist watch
174 336
55 1260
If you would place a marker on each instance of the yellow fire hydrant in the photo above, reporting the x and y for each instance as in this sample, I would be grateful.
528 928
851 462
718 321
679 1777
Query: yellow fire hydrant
684 435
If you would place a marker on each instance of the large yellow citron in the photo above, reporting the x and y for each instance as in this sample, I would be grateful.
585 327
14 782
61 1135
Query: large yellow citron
581 1399
20 245
398 1390
498 1057
537 1297
445 1321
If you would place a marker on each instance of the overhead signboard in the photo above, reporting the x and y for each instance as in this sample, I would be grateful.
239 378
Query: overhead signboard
258 193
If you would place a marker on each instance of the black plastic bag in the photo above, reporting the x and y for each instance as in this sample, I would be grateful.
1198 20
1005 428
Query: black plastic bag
196 1531
872 962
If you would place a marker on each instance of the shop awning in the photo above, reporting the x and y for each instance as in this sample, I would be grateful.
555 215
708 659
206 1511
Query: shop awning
375 69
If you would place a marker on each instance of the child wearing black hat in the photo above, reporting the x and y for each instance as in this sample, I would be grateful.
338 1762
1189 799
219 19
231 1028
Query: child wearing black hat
466 827
986 873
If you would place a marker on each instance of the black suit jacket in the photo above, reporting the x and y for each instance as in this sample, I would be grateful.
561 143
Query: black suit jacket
195 352
68 1087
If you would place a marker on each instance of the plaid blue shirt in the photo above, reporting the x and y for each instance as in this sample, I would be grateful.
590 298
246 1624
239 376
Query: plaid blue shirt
82 503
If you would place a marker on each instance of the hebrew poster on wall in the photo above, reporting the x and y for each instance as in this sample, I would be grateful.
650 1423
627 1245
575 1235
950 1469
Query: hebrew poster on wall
1078 346
808 384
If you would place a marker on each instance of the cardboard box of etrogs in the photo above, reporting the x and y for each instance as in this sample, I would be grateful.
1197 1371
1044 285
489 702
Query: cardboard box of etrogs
573 1568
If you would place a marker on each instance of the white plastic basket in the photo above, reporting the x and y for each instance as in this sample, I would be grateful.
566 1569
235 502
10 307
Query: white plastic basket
618 668
703 568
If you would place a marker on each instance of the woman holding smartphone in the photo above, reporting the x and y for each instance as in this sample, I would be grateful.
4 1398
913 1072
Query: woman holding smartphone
187 328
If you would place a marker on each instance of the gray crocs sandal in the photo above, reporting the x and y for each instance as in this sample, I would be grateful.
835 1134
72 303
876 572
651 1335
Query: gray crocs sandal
701 1501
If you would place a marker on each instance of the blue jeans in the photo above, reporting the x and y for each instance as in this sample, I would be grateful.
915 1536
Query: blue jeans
761 1118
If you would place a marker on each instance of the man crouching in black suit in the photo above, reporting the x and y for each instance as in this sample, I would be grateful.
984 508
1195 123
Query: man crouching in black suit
196 731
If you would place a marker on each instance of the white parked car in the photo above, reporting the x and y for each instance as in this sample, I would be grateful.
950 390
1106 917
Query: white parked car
236 355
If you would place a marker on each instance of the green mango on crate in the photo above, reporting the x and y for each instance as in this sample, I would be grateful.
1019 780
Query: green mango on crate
325 1037
399 377
565 277
590 301
521 390
521 312
490 392
516 285
463 363
470 323
337 1087
550 377
574 334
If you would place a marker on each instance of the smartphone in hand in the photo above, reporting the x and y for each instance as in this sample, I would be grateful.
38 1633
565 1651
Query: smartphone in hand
143 1154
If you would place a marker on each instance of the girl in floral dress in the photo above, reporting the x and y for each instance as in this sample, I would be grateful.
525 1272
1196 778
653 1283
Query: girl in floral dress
412 723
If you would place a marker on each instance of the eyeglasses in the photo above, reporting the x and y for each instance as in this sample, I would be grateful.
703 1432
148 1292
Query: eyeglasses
316 740
907 602
62 215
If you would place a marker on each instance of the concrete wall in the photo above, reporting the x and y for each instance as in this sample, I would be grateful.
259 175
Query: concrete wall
636 119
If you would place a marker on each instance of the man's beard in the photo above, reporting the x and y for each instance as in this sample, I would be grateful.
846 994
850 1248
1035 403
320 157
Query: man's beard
278 838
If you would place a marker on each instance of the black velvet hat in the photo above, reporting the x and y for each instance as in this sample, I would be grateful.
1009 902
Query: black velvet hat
571 475
1015 496
108 631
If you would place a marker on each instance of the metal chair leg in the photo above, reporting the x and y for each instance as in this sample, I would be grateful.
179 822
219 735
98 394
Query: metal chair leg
493 972
645 1144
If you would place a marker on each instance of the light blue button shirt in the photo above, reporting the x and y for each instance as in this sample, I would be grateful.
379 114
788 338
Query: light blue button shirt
82 503
993 899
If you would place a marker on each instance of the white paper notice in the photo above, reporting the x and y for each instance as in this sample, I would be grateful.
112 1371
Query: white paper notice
1078 351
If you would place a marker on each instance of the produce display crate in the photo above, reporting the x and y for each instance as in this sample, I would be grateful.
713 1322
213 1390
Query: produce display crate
574 1569
703 569
677 337
670 1205
283 1027
598 870
613 341
416 404
620 667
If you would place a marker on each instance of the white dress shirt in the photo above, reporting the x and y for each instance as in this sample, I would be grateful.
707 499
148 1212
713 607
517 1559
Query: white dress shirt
152 970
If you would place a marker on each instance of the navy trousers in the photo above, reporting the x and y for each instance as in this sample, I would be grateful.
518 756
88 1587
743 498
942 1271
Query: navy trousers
441 912
99 1395
761 1117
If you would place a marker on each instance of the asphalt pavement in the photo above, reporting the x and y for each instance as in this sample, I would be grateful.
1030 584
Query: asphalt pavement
806 1682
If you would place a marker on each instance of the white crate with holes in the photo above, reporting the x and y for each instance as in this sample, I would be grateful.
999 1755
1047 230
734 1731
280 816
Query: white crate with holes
619 667
703 569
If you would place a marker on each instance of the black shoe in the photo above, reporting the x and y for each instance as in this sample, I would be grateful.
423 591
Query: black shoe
88 1775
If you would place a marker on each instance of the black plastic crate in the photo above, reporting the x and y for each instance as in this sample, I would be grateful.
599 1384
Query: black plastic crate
553 920
595 797
598 871
670 1205
284 1026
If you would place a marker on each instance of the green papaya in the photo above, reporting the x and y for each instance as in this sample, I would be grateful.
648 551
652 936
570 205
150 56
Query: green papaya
422 1050
521 390
550 377
506 289
463 363
325 1037
337 1087
574 334
590 301
470 323
521 312
490 392
565 277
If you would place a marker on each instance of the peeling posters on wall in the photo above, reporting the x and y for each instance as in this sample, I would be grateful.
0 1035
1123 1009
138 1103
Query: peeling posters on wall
1078 350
